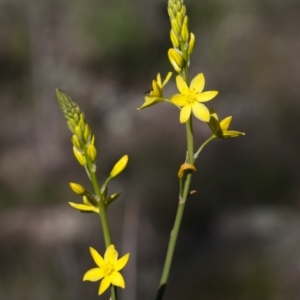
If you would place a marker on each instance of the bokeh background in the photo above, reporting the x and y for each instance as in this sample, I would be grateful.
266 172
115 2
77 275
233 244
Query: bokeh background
240 237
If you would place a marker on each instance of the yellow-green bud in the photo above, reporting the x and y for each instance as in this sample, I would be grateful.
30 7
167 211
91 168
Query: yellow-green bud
79 156
71 125
75 141
191 44
78 132
119 166
176 60
171 14
179 20
77 188
87 132
81 121
183 10
175 26
174 39
91 152
178 6
184 33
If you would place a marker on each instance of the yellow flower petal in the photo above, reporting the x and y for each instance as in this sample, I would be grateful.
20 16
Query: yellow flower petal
158 79
105 283
232 133
149 101
182 86
111 254
201 112
185 113
225 123
179 100
167 79
156 89
120 264
117 279
94 274
198 83
97 257
206 96
84 207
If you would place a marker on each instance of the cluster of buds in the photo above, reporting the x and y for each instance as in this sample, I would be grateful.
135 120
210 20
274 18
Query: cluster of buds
182 40
83 140
90 201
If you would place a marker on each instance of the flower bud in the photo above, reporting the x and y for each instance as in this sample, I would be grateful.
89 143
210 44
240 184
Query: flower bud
119 166
75 141
91 152
79 156
176 60
191 44
77 188
175 26
174 39
87 133
184 33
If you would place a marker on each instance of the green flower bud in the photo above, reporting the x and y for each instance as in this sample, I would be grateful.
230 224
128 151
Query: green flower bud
119 166
91 152
175 26
191 44
174 39
79 156
77 188
75 141
176 60
184 33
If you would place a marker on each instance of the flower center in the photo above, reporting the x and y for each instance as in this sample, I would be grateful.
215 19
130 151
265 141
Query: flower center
191 96
108 268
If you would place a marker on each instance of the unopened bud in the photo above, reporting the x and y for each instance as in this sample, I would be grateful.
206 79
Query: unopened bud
87 133
175 26
91 152
176 60
191 44
79 156
174 39
75 141
184 33
119 166
77 188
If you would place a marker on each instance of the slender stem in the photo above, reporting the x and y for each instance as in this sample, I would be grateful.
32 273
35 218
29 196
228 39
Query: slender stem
202 146
184 189
102 210
102 214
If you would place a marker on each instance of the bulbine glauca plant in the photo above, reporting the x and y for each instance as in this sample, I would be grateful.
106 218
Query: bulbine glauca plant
191 103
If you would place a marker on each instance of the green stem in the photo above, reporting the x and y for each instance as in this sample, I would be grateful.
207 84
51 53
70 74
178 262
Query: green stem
184 190
102 214
102 210
202 146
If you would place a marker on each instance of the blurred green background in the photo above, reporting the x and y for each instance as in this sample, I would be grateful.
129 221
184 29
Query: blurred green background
240 236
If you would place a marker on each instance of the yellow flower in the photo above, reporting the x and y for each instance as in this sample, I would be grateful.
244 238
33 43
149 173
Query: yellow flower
156 94
88 205
219 128
108 269
190 97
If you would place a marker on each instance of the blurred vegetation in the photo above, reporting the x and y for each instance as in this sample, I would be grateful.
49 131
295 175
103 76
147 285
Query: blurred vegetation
240 233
